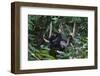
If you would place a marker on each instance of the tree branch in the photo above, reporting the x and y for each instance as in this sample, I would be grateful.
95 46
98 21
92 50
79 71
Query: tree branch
50 30
74 29
45 39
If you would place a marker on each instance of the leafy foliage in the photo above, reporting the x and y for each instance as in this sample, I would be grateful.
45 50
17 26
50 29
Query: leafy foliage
39 25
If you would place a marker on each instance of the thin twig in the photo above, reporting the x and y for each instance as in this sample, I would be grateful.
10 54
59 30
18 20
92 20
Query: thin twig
67 26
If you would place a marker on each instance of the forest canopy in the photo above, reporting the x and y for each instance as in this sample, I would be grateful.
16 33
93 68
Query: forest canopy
39 26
